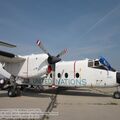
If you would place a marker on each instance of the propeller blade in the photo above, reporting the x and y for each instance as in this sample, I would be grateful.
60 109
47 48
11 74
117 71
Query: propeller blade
62 53
40 45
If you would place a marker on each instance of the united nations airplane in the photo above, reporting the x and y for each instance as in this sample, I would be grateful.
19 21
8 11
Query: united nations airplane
47 70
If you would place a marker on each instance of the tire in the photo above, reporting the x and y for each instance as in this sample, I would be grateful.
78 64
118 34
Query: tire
11 92
18 92
116 95
14 92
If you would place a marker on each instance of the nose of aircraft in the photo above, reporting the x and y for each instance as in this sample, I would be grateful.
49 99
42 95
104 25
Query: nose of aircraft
118 77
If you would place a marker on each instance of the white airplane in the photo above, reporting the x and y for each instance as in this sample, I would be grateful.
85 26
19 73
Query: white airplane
47 70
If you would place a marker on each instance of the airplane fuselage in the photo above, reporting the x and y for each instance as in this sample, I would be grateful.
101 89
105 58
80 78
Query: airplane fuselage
47 70
79 73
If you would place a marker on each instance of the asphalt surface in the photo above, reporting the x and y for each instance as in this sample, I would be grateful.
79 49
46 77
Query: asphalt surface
80 104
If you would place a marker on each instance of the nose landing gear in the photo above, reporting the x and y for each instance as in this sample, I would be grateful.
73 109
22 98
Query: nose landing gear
116 94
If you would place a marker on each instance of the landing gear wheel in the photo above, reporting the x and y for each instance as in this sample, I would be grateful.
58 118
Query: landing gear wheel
18 92
116 95
13 92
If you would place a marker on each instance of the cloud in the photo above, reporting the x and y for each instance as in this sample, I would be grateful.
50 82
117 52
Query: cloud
101 20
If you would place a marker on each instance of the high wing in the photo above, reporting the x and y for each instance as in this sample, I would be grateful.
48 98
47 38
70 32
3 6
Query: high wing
6 44
6 57
10 57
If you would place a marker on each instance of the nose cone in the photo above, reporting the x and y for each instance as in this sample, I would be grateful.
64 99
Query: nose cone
118 77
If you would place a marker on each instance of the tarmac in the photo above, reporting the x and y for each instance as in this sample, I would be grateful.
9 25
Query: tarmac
74 104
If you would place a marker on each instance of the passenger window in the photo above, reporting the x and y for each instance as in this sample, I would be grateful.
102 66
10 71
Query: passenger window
77 75
59 75
66 75
51 75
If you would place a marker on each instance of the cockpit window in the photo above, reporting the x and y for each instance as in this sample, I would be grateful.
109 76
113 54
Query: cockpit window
96 65
90 64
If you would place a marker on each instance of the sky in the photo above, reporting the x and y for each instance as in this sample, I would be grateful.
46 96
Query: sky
87 28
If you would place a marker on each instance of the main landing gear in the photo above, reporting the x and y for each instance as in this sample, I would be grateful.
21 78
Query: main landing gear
13 89
13 92
116 94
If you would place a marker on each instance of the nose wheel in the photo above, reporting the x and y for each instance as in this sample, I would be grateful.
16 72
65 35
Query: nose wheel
116 94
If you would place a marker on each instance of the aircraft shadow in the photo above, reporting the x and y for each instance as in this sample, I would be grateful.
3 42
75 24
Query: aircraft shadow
83 93
78 92
47 93
34 93
28 93
3 95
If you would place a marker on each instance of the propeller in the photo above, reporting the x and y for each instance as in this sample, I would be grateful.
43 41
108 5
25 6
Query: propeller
52 60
